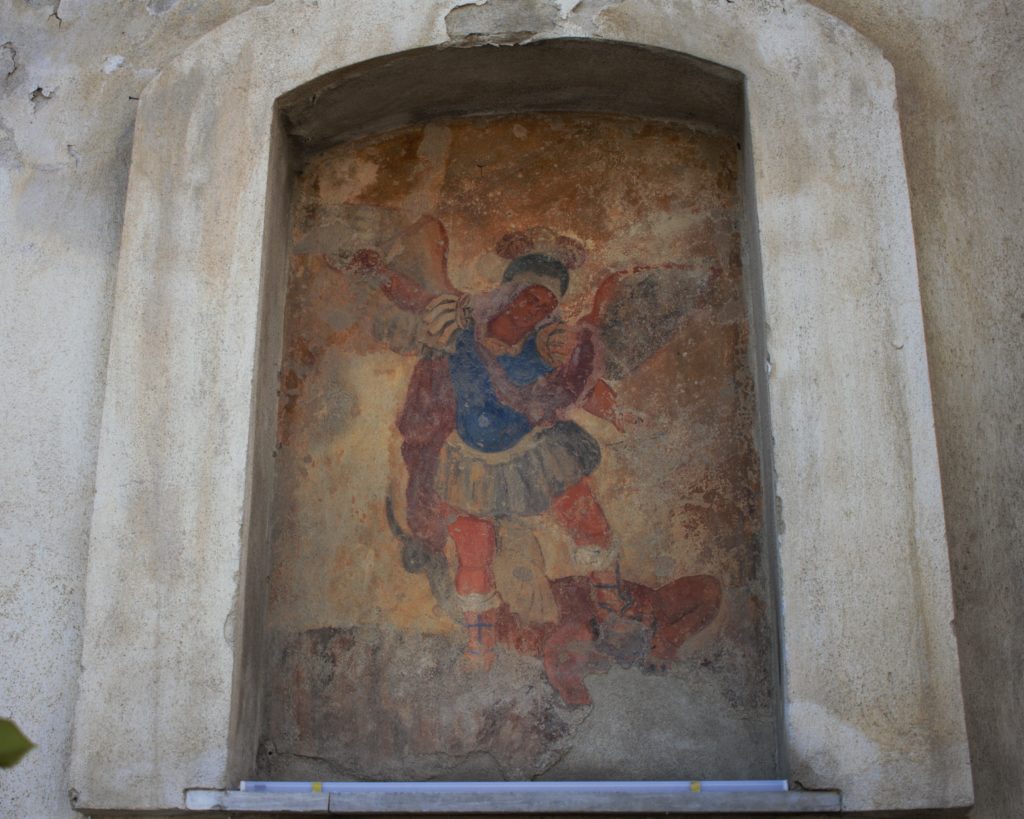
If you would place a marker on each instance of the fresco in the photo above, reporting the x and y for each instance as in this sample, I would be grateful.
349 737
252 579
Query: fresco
517 509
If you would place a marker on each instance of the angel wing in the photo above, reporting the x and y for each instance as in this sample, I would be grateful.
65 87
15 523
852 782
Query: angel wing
636 311
343 229
417 252
420 253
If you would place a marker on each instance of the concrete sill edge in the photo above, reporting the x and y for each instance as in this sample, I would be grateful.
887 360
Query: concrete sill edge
202 800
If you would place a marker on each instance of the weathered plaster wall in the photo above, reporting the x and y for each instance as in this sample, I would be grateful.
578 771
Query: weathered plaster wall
63 170
960 79
68 70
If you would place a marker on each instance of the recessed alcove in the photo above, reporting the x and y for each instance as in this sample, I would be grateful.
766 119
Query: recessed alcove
175 625
644 187
673 675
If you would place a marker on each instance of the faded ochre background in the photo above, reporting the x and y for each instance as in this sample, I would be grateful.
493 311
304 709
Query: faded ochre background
680 488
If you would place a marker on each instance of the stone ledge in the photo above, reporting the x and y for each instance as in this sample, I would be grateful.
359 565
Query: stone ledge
515 802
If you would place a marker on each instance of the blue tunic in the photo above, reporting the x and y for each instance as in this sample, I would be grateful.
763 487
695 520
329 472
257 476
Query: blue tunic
481 419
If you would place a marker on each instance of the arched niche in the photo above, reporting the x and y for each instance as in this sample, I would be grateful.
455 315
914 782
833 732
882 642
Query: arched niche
868 666
460 149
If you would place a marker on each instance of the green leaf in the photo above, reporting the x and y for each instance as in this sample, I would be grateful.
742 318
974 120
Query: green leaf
13 744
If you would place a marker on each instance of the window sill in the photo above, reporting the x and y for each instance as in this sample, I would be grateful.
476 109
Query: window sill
551 801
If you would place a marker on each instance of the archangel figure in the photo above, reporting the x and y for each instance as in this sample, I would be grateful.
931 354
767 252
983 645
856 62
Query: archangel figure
486 437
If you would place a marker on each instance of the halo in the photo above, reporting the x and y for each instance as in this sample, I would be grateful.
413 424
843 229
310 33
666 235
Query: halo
565 249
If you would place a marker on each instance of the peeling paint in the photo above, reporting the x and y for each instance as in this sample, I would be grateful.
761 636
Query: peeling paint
112 63
41 94
9 156
8 60
491 23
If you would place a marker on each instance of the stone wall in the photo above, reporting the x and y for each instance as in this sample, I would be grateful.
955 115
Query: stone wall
68 73
959 76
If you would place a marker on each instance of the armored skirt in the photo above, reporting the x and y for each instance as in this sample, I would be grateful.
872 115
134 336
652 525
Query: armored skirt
520 481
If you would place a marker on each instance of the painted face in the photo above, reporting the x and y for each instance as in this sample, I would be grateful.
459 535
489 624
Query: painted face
523 314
